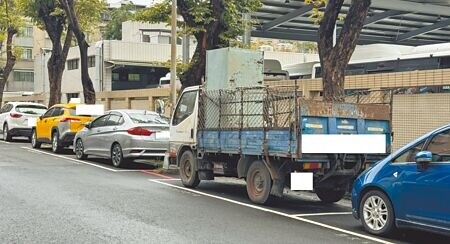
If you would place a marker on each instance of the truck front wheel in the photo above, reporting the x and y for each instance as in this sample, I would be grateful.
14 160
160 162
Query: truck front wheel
259 182
188 174
330 195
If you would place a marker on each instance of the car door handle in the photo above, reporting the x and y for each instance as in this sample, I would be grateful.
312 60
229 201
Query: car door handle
114 129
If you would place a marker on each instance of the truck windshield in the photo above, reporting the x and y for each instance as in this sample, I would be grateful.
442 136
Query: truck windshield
185 107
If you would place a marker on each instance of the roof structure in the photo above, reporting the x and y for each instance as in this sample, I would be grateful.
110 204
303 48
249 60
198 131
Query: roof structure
403 22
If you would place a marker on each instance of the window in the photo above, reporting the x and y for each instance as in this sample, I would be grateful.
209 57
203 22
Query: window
72 64
72 95
134 77
141 118
31 109
27 53
114 119
99 122
49 113
26 32
23 76
91 61
58 112
409 155
440 147
185 107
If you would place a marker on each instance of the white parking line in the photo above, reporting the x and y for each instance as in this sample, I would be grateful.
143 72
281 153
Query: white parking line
5 142
321 214
76 161
277 212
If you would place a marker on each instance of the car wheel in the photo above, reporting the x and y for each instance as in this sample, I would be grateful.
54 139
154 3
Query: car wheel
6 135
259 182
188 174
117 158
34 140
330 195
56 148
377 214
79 150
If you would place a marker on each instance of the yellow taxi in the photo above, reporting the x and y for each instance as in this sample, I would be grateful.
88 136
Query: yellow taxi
58 126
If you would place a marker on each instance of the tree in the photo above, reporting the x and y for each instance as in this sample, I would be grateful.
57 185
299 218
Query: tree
95 7
113 30
213 23
10 22
334 58
51 17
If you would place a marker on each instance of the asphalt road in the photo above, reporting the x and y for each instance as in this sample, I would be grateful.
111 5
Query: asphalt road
47 198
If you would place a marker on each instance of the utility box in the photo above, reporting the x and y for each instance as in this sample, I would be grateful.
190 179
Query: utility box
230 68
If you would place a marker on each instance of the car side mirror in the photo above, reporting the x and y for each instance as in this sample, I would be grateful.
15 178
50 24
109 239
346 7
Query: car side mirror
88 125
423 159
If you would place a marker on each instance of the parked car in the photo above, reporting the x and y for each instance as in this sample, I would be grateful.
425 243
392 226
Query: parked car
124 135
410 188
58 126
15 116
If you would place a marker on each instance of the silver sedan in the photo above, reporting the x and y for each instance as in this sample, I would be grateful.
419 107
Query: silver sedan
124 135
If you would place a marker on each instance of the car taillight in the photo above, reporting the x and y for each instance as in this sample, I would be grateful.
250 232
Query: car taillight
138 131
14 115
65 119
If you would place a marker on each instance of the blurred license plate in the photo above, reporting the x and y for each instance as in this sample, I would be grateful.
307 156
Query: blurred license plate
162 135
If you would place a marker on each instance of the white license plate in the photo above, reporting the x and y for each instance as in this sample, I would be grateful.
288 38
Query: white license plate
302 181
162 135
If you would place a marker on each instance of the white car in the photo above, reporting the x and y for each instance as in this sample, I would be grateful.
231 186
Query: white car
16 118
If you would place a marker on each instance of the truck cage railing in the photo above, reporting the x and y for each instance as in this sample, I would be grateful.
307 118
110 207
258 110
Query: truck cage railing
267 107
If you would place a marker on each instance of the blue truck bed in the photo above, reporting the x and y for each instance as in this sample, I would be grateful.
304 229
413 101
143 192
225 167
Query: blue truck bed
313 118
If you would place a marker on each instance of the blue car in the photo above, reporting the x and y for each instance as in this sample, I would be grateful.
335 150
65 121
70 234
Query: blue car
408 189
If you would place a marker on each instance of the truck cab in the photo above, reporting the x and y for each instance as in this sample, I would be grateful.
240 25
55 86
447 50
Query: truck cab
183 124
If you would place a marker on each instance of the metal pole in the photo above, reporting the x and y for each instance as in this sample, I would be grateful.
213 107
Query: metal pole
173 68
248 30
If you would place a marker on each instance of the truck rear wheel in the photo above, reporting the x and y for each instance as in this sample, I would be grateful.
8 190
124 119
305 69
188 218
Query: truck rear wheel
259 182
330 195
188 174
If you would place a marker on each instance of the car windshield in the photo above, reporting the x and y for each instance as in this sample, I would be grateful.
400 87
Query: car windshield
140 118
31 109
73 112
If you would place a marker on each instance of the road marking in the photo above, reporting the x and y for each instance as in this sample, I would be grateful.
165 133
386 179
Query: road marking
76 161
277 212
5 142
321 214
156 174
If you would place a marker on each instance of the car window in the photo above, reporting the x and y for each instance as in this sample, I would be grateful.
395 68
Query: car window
100 121
439 146
31 109
141 118
185 107
410 154
114 119
49 113
58 112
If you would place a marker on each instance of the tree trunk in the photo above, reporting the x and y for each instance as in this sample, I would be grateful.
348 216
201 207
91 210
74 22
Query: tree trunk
334 59
206 40
56 65
10 60
88 87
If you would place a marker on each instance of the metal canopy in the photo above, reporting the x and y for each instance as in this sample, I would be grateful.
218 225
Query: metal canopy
404 22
